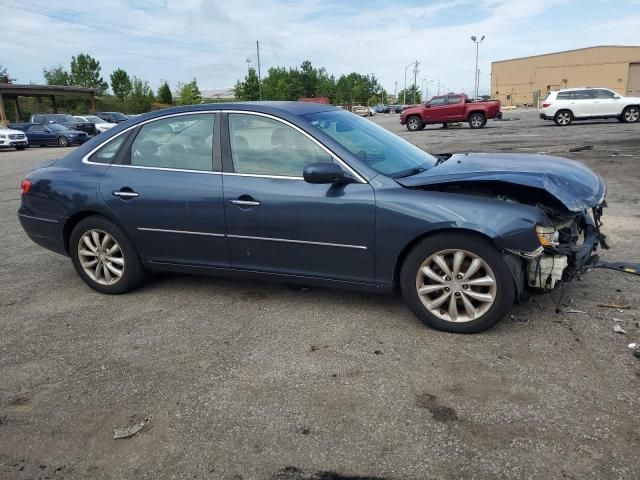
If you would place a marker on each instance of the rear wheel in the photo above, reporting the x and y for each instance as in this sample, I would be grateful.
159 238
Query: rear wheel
414 123
563 118
63 141
477 120
631 114
457 283
104 257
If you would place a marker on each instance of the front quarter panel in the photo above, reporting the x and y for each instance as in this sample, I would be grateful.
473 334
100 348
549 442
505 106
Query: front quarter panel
404 215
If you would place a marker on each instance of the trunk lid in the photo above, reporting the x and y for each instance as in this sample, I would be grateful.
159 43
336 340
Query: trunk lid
574 185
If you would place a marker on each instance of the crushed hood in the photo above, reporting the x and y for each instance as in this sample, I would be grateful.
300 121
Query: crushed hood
573 184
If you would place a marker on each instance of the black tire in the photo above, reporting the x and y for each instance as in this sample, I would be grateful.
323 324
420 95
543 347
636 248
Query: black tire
132 274
414 123
20 147
63 141
445 125
504 293
631 114
477 120
562 118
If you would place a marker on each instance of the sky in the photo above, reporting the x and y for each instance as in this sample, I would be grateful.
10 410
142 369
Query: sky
177 40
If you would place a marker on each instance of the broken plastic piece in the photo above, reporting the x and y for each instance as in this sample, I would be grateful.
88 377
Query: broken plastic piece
633 346
618 329
132 430
571 310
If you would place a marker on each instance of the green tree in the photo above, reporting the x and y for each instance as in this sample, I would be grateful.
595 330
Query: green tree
4 75
56 75
250 88
141 97
120 83
164 93
413 95
189 93
85 72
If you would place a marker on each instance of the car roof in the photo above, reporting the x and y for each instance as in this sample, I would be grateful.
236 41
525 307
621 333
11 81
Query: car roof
580 88
291 108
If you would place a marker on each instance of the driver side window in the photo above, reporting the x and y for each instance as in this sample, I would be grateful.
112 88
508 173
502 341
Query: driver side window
264 146
437 101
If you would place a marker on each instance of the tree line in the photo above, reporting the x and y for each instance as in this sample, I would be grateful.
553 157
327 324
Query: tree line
131 94
307 81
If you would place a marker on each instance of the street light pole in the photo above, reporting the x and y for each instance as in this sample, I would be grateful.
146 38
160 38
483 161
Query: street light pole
476 83
404 92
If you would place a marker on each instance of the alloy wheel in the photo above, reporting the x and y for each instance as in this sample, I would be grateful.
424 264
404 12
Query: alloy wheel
413 124
101 257
631 115
564 118
476 121
456 285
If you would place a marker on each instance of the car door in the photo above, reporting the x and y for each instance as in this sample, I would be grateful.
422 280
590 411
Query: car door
38 135
605 103
166 189
277 222
455 108
435 109
581 103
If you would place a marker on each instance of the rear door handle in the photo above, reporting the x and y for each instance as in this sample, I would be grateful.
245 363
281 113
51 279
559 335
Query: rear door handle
125 194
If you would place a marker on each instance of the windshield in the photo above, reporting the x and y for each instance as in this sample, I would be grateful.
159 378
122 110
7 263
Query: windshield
375 146
64 118
94 119
118 116
54 127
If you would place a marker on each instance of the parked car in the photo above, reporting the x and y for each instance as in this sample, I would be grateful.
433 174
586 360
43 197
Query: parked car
11 138
317 195
112 117
569 104
450 108
65 120
51 134
101 125
382 109
361 110
397 108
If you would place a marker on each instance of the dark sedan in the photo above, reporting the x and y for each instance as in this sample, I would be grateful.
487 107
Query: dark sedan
65 120
308 193
52 134
112 117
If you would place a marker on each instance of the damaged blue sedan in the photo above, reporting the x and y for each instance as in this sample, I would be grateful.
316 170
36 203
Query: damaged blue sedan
308 193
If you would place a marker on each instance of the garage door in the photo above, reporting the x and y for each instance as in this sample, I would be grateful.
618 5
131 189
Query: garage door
633 86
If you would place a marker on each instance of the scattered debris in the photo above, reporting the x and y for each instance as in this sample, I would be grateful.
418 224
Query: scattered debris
313 348
135 429
618 329
571 310
617 319
518 321
633 346
580 149
613 305
377 352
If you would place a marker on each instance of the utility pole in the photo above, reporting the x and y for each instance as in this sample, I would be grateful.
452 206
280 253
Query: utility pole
404 92
395 91
248 60
438 87
259 76
476 74
415 79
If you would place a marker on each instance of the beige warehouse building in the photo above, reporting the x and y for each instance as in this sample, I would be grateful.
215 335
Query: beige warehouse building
526 81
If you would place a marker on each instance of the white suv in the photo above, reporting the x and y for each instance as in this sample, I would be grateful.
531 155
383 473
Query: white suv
565 106
13 138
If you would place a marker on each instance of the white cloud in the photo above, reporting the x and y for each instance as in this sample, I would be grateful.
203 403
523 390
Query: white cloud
179 39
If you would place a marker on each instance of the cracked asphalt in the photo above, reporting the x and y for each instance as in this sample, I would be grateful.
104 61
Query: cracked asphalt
255 380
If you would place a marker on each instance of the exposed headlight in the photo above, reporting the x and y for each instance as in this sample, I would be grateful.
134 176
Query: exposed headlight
548 236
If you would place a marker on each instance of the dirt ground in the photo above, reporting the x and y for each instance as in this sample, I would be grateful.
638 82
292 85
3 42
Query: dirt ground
250 380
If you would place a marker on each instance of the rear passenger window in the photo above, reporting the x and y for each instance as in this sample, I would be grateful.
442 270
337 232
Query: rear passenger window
263 146
564 95
108 152
453 99
184 142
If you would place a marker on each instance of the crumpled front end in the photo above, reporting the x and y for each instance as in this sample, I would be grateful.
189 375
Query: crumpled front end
567 249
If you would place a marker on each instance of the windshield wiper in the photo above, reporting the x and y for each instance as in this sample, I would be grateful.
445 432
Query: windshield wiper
441 158
413 171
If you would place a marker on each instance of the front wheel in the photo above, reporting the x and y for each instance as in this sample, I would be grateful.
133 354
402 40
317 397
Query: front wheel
477 120
104 257
414 123
63 141
457 283
631 114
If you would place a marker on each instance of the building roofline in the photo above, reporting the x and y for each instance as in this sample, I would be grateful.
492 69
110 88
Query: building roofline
567 51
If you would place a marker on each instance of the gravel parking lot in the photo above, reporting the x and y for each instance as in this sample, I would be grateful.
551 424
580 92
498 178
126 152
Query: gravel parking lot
249 380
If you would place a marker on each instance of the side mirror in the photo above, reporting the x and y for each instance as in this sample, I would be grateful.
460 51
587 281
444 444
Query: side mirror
324 172
427 105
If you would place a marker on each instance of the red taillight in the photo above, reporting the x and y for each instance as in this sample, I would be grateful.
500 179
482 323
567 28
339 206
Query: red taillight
545 105
26 185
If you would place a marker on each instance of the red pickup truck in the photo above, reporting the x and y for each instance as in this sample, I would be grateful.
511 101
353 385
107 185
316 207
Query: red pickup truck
450 108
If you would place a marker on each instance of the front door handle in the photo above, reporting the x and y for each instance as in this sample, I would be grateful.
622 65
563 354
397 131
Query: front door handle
125 193
245 203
